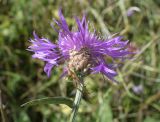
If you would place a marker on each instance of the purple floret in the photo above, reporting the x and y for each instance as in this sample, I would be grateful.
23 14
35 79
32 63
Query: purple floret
56 54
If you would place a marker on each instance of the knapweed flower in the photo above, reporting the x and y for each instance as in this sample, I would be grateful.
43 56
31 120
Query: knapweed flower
137 89
132 10
81 51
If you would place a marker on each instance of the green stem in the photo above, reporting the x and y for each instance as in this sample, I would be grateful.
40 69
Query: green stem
76 101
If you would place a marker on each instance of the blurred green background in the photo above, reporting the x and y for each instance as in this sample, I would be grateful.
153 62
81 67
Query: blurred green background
22 78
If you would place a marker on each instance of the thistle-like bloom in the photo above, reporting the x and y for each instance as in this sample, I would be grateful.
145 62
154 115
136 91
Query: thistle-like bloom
81 51
132 10
137 89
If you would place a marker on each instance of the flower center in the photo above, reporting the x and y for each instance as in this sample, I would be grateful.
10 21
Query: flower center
79 61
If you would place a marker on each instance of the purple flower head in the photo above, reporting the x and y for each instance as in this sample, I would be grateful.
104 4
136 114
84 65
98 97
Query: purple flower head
81 50
137 89
132 10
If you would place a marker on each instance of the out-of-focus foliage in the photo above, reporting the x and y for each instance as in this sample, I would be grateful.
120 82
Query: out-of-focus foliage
22 78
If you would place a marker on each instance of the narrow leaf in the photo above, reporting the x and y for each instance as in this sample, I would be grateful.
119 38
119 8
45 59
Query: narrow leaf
50 100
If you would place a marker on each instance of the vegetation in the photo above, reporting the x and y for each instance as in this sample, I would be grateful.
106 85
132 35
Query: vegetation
22 78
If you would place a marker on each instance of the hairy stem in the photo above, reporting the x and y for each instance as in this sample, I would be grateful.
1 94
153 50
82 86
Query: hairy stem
76 101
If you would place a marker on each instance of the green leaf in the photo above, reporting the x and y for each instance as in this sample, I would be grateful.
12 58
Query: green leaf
150 119
23 117
50 100
105 112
